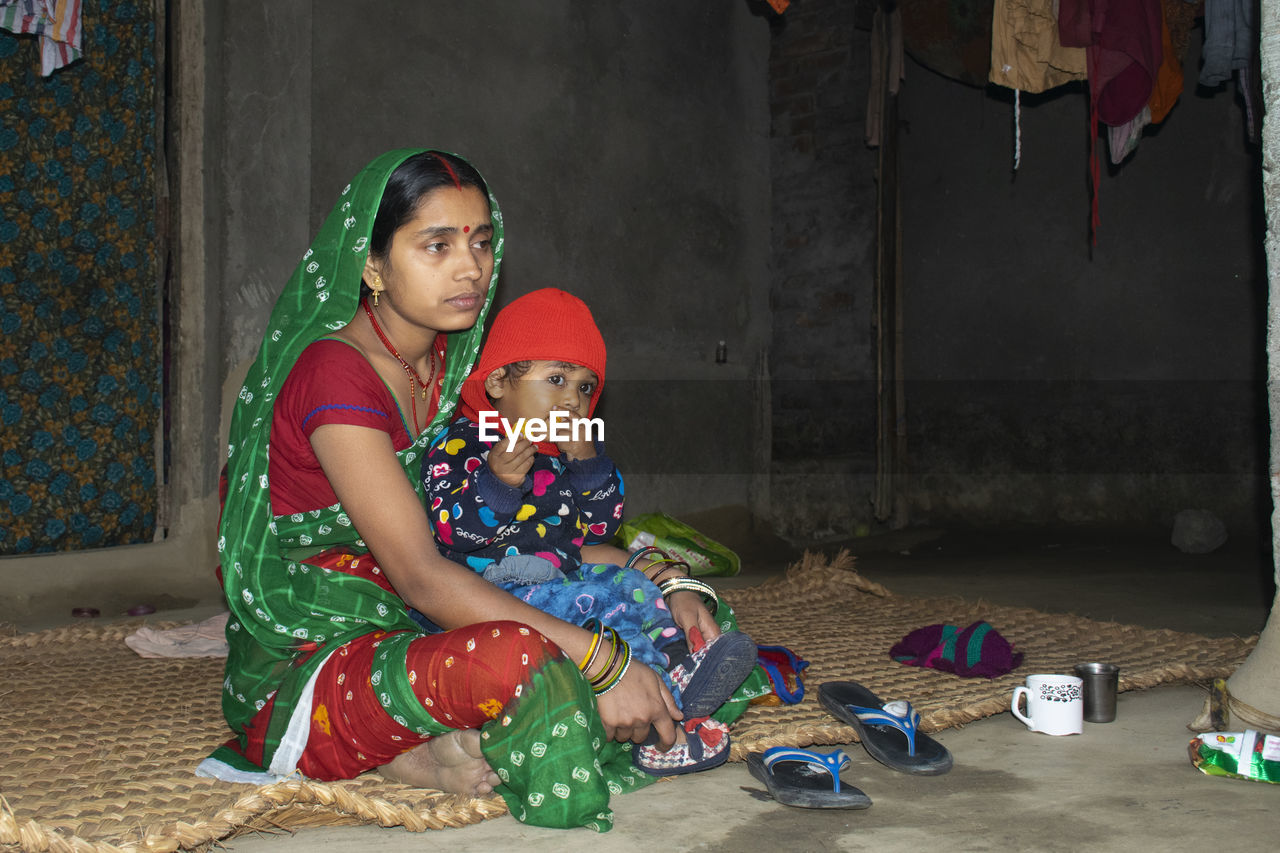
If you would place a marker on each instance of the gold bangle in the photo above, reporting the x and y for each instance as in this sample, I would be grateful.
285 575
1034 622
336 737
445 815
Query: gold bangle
596 627
614 639
591 652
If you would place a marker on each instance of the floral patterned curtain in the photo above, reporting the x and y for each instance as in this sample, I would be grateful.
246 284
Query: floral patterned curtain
80 332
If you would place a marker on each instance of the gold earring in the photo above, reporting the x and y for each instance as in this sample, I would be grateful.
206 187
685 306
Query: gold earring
375 299
377 288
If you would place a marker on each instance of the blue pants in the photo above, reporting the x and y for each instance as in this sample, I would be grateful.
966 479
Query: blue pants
623 599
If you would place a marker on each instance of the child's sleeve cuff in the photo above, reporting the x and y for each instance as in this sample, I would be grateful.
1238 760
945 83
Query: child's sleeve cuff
586 474
502 499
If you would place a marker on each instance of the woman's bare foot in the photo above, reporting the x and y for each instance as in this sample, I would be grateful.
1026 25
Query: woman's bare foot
450 762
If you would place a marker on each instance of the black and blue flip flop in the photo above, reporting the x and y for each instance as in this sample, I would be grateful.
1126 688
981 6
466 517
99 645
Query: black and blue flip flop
806 779
888 730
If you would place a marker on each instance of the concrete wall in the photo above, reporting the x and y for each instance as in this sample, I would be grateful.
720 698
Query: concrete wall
1048 382
627 144
822 359
638 148
1055 382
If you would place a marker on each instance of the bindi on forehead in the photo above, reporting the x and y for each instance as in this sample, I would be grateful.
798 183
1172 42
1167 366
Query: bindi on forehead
466 229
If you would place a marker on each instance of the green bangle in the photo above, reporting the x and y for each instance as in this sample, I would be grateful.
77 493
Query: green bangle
597 640
616 681
605 685
659 556
640 554
603 674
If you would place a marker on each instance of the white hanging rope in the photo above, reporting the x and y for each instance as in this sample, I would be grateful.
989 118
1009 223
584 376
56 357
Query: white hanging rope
1017 128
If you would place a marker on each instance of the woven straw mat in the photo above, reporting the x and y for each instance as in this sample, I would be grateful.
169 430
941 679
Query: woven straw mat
100 744
844 625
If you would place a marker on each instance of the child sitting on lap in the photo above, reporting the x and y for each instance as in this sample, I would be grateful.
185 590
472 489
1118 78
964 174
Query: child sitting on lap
520 482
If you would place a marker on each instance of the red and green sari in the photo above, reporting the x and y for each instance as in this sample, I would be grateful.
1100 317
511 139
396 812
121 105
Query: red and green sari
293 609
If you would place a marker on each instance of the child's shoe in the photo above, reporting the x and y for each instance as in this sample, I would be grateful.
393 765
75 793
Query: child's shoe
706 745
709 675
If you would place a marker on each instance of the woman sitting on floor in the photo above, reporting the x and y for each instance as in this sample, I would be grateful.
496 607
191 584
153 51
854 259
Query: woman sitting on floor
325 540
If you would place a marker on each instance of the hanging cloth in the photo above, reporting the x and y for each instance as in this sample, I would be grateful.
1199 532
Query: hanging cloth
1026 52
1168 85
1122 41
1229 38
1027 56
1231 44
56 22
886 59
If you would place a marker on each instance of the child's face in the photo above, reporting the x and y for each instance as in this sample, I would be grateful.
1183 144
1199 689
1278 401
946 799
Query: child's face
548 386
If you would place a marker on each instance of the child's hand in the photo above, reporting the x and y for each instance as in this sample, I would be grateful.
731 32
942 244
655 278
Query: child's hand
511 466
584 448
690 614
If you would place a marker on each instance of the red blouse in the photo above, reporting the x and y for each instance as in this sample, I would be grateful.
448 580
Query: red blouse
331 383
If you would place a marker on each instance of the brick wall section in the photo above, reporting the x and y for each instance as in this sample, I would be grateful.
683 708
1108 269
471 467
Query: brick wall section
824 195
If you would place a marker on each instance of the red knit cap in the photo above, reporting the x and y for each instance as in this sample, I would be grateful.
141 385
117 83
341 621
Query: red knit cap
545 325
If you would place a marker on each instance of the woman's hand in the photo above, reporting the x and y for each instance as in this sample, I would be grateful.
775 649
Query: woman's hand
638 703
687 608
689 611
368 479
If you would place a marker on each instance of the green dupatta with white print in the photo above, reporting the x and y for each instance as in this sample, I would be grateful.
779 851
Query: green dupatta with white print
280 608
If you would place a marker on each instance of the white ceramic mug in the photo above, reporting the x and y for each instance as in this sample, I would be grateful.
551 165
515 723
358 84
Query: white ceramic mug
1055 704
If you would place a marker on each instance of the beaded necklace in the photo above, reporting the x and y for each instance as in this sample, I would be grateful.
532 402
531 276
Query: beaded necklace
408 368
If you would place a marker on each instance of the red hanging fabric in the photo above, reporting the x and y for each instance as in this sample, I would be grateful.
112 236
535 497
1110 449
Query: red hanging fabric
1125 50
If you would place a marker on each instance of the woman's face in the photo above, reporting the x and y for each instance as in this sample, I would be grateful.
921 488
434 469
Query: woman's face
437 269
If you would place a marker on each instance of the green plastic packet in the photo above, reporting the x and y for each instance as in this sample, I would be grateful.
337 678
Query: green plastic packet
704 555
1238 755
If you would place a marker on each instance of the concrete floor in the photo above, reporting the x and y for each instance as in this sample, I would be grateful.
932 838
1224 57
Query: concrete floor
1126 785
